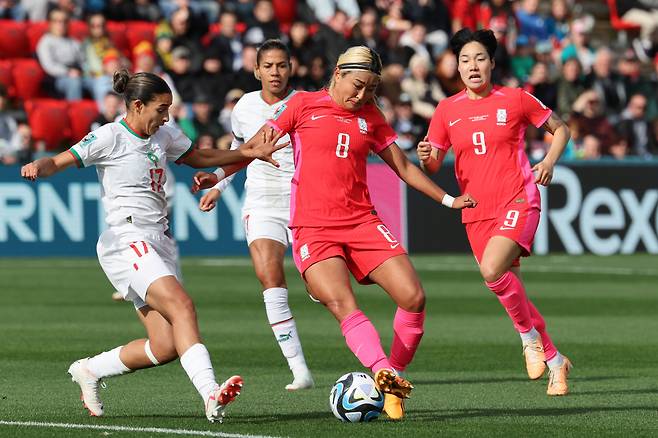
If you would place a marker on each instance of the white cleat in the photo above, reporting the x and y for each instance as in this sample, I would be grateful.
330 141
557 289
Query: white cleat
116 296
88 385
302 381
222 396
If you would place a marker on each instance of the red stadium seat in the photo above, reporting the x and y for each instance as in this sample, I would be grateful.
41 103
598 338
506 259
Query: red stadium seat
81 114
49 121
78 29
13 40
35 31
27 75
117 32
6 78
616 21
138 31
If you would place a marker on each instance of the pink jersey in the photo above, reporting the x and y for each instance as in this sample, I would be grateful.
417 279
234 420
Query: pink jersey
487 136
331 146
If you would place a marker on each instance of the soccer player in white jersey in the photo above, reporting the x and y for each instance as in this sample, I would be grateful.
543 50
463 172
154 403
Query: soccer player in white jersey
266 209
136 251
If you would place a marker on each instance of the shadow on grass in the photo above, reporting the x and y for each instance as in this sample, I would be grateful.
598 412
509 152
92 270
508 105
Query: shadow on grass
617 391
457 414
480 380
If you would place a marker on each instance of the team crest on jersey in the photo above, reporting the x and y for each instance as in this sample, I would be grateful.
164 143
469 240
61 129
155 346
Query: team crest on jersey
89 139
303 252
278 112
363 125
501 117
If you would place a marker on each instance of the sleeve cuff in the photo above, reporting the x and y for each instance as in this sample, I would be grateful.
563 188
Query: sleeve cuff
543 119
185 154
389 141
78 160
273 125
439 146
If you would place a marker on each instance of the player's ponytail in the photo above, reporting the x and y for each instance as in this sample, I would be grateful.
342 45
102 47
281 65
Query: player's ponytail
141 86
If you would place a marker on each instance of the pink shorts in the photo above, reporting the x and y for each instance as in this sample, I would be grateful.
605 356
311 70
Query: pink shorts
363 246
517 224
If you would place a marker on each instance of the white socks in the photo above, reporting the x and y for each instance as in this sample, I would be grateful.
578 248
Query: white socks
556 362
284 327
196 363
107 364
529 336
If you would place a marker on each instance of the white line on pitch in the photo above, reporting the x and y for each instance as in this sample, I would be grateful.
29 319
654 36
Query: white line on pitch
130 429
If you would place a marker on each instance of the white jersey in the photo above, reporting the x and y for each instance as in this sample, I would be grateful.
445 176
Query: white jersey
132 172
267 187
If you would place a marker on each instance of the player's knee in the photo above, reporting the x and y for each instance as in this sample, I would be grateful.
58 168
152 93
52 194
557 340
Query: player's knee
182 306
414 300
340 308
271 279
490 272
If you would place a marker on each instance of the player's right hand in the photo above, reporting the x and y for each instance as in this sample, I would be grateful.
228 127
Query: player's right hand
30 171
209 200
264 145
424 150
464 201
203 180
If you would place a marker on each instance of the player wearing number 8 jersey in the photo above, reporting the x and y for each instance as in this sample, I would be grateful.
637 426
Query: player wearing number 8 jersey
485 126
136 251
335 227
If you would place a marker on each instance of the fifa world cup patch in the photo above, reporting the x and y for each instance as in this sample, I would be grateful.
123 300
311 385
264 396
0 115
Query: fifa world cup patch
89 139
501 117
363 125
278 112
303 252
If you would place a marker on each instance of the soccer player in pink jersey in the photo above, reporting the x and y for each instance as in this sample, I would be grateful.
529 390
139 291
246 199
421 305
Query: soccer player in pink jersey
485 125
335 227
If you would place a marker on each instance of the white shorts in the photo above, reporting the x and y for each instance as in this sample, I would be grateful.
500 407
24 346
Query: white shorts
271 224
131 266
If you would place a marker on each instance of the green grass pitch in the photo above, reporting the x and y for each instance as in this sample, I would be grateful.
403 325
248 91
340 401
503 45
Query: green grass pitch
468 372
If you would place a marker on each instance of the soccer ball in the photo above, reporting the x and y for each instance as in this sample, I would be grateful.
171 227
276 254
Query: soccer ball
355 398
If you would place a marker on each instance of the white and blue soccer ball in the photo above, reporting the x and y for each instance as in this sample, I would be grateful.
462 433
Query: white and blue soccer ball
355 398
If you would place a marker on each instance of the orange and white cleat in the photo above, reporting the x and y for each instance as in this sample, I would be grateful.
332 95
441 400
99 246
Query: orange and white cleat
222 396
389 382
557 378
535 359
394 407
88 385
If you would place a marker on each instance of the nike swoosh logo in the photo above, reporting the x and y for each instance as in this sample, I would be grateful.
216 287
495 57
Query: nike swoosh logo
454 122
395 246
314 117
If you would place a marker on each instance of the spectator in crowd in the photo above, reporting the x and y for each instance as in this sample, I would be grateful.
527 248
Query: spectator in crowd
228 42
36 10
447 74
95 45
414 42
506 37
241 8
74 8
324 10
559 21
465 13
231 99
145 60
8 131
244 78
630 68
331 36
540 85
262 25
580 45
590 149
136 10
588 118
12 10
391 84
181 73
61 57
208 9
533 25
435 17
367 32
302 48
644 13
386 107
201 121
424 94
569 87
410 127
213 82
607 83
523 60
185 34
635 129
113 107
206 141
394 19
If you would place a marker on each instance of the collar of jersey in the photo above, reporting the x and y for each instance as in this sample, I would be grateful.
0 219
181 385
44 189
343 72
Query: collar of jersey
125 125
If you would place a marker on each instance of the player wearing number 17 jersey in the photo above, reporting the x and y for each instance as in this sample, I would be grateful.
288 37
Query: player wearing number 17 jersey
335 227
485 126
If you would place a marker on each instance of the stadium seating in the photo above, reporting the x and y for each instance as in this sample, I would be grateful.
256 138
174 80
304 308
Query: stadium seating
117 32
35 31
621 26
13 39
49 121
81 114
138 31
6 78
78 29
27 77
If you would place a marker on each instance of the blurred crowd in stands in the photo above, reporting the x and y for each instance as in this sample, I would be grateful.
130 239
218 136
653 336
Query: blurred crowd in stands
593 62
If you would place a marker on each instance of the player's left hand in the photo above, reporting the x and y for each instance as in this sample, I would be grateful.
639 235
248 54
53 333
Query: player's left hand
203 180
264 145
543 172
30 171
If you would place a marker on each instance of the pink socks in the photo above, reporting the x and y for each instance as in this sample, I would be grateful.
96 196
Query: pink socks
549 349
511 295
363 339
407 332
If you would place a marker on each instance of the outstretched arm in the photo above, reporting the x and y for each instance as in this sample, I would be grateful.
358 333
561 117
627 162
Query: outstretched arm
47 166
561 135
414 177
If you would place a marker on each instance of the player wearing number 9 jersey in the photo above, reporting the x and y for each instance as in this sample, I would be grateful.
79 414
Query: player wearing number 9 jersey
136 251
485 126
335 227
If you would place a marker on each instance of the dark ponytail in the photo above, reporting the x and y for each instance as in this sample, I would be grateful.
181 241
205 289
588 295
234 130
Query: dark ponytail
141 86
